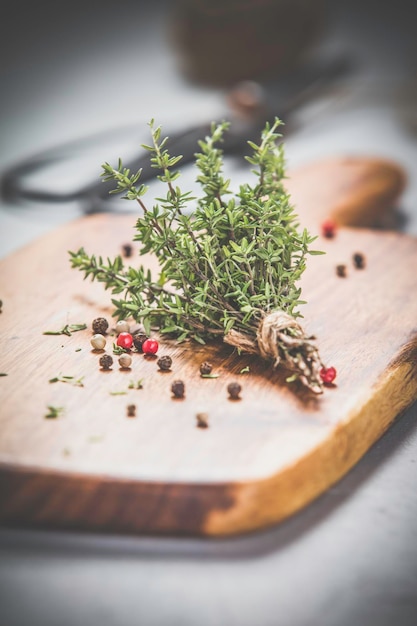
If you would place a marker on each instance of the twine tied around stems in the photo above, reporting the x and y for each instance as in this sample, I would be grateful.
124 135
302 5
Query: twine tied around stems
280 338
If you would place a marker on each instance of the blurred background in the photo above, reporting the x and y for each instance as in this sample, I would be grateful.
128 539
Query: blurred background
79 82
342 76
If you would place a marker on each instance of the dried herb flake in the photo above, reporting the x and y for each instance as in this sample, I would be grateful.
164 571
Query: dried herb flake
54 411
76 382
68 329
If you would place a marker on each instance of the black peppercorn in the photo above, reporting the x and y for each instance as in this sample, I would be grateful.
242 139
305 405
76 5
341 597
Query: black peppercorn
202 420
341 270
205 368
138 339
131 410
106 361
234 390
164 363
359 260
178 388
100 326
127 250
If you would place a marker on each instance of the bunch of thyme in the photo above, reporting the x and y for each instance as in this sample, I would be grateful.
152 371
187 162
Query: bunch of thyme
228 270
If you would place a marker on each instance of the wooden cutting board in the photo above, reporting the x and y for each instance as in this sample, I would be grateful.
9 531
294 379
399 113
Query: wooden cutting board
262 457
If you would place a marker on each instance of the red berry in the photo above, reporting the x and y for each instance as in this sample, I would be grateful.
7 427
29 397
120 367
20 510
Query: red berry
328 374
328 229
125 340
150 346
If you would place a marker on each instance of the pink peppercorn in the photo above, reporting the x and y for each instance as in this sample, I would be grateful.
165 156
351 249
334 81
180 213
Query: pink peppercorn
125 340
328 229
150 346
328 374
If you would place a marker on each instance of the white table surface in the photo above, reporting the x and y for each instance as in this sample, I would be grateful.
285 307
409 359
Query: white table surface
351 556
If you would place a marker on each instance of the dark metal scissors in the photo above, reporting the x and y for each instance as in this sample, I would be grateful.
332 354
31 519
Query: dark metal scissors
251 103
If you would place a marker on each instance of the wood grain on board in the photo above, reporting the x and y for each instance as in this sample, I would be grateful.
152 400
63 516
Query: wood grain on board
262 457
350 191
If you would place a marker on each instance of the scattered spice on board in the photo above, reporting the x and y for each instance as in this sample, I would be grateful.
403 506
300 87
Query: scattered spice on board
125 361
54 411
131 410
100 326
68 329
230 271
209 375
127 250
122 327
137 385
328 229
124 340
1 306
359 260
341 270
75 382
138 340
106 361
164 363
118 393
234 390
78 350
202 420
178 389
150 347
328 374
3 374
98 342
206 368
118 350
245 370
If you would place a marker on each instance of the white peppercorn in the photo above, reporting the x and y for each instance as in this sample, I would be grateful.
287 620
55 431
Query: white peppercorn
122 327
98 342
125 361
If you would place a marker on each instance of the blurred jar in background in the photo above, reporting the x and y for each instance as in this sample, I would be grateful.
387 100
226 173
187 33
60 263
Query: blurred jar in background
224 41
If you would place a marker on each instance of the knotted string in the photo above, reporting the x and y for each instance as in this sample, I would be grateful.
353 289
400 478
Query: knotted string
280 338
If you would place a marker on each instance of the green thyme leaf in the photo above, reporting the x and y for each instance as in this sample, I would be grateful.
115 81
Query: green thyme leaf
136 385
119 350
54 412
68 329
76 382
